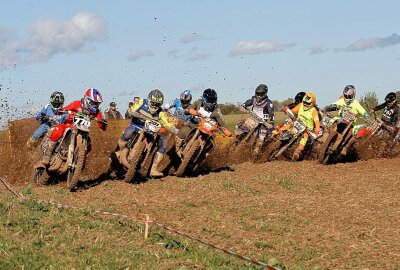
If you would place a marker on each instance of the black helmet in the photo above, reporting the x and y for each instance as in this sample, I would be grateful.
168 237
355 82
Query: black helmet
261 93
210 98
391 99
299 97
57 100
155 99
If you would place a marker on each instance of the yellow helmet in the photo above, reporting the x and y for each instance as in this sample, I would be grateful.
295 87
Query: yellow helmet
309 101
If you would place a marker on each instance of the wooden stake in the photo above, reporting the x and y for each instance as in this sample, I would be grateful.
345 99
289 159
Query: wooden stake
146 226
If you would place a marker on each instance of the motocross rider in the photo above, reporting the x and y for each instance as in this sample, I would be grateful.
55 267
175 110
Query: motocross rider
297 100
146 109
263 107
205 107
46 115
308 114
348 102
181 106
89 105
391 112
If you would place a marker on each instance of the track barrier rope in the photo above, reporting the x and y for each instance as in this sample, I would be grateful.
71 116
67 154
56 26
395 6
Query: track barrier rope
147 221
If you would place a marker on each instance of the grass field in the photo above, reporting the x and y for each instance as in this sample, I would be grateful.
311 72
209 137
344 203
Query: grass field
38 236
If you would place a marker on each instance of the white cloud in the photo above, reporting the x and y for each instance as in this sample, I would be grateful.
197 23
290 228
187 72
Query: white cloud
372 43
198 56
259 47
49 36
192 37
136 54
318 49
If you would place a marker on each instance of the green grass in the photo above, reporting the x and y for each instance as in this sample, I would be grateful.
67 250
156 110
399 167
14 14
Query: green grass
38 236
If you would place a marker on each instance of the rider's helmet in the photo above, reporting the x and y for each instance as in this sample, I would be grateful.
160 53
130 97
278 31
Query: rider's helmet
299 97
155 99
349 94
209 98
391 99
186 98
261 93
57 101
309 101
92 100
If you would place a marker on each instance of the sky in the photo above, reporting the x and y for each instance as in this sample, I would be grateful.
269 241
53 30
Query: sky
126 48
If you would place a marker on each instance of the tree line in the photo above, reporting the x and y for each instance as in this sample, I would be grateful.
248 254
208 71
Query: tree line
369 100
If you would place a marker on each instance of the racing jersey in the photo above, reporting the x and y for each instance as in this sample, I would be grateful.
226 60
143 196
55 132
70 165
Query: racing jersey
354 107
390 115
76 107
309 117
216 113
264 111
179 111
143 107
48 110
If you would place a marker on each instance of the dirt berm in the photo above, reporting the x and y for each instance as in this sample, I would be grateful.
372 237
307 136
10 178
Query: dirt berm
17 162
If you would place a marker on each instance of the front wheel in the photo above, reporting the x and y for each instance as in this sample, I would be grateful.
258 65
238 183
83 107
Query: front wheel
271 150
325 152
187 158
136 153
40 177
74 172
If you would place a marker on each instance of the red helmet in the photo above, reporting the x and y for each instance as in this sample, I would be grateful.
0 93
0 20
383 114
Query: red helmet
92 100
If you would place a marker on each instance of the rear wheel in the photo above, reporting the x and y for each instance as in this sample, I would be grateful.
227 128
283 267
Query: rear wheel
136 153
74 172
187 158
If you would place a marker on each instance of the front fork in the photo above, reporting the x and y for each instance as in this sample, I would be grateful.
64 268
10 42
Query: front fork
71 149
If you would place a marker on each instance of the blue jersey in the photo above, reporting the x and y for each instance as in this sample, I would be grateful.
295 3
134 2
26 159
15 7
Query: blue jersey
48 111
179 111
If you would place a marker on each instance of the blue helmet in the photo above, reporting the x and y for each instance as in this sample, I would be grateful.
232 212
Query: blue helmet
186 97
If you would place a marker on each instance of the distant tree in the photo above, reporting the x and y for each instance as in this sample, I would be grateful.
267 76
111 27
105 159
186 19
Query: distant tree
287 101
398 95
277 105
229 108
369 100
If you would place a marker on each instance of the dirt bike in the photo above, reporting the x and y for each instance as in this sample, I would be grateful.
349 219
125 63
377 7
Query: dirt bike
378 128
286 137
136 158
249 131
340 134
197 145
70 153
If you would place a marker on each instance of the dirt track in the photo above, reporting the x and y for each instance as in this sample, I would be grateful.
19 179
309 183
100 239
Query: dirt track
337 217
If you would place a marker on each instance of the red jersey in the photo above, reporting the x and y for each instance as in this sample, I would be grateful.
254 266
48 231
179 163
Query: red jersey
76 107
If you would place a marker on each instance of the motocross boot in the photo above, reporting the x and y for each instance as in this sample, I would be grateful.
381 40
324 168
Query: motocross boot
121 145
31 143
46 155
297 152
153 171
